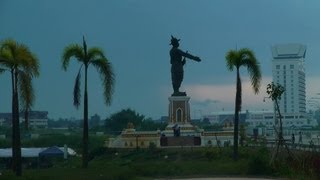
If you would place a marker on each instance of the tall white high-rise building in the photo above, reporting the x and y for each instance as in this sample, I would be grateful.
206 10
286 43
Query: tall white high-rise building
288 70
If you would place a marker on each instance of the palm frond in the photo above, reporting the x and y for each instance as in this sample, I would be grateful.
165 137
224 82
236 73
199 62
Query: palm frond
105 70
6 57
28 60
77 90
26 91
18 55
9 44
95 53
73 50
231 58
249 60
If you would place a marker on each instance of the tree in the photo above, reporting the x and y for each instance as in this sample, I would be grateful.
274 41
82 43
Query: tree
275 91
119 121
237 59
95 57
23 66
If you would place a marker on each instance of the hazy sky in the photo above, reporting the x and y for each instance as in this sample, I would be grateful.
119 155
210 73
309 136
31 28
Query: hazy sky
135 35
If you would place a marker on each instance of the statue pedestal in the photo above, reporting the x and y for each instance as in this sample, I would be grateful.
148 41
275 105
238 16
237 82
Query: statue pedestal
179 110
179 115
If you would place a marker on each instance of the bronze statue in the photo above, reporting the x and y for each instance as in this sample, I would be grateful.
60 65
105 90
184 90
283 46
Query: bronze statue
177 65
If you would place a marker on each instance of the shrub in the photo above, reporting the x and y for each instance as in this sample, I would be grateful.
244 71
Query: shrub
259 163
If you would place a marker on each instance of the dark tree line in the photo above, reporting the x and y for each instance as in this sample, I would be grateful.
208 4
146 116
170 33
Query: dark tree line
119 121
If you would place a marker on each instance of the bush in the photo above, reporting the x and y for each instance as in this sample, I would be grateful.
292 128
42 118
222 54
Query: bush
259 163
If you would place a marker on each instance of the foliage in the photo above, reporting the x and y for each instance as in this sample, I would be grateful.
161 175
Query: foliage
275 91
166 163
308 163
119 121
259 163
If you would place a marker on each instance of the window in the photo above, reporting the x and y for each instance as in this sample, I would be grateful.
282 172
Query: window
278 67
179 115
284 66
291 66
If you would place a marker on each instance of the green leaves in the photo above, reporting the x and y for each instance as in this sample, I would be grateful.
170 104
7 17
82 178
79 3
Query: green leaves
26 90
246 58
73 50
87 56
76 90
107 77
275 91
17 57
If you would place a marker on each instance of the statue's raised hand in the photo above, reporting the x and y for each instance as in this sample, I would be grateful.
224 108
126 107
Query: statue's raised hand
197 59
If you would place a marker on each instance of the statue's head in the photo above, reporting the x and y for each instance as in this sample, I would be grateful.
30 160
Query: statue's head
174 41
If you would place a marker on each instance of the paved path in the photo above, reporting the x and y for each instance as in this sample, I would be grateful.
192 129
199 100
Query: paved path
218 178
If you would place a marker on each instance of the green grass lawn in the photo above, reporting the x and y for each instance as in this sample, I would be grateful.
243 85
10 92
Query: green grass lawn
161 163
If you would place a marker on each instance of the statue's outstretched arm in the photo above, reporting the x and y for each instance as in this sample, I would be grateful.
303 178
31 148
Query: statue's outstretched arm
190 56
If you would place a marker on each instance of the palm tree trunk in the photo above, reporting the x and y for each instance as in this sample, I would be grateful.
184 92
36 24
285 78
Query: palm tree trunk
17 129
13 124
26 119
85 123
236 117
16 144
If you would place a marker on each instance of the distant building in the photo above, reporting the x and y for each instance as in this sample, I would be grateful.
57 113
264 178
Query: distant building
37 119
224 116
288 70
264 121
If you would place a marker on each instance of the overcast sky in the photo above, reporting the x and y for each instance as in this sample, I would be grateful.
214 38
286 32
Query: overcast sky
135 36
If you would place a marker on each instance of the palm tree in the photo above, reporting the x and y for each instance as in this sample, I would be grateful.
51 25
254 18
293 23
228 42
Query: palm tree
236 59
23 66
94 56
